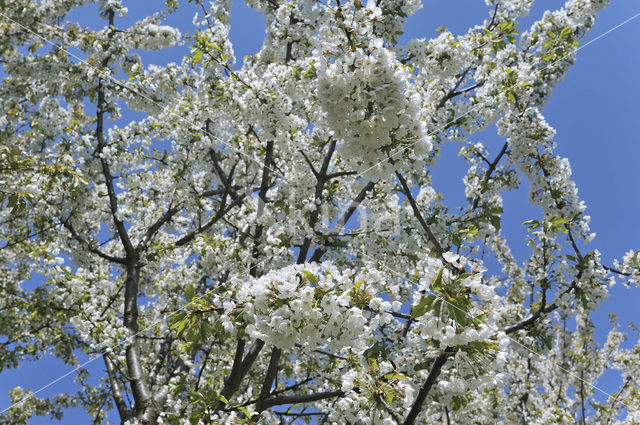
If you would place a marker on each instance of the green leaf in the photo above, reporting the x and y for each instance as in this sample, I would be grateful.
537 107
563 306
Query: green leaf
375 351
195 396
472 230
245 411
546 341
192 331
206 331
179 326
437 307
462 277
220 397
495 221
176 318
189 292
310 277
197 56
394 376
437 283
457 309
424 305
13 200
559 220
356 286
171 5
17 204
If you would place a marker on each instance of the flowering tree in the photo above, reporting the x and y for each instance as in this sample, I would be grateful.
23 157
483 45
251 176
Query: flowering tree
264 244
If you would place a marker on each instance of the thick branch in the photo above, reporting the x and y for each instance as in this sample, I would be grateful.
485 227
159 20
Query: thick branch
143 407
321 180
240 367
262 200
426 387
106 171
296 399
163 353
232 382
269 378
116 390
139 386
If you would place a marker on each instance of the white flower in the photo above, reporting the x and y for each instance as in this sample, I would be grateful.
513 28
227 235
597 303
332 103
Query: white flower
454 259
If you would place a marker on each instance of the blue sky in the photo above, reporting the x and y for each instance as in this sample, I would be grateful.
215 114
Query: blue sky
594 111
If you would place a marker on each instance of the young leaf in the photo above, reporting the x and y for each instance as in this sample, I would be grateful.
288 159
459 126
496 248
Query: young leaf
310 277
424 305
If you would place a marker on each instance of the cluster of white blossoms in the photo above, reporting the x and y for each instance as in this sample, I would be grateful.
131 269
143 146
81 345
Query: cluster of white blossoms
630 264
356 407
368 107
312 305
161 36
434 325
53 117
512 7
443 56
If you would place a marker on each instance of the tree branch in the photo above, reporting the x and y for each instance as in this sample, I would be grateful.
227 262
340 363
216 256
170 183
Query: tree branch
490 170
219 215
240 367
452 93
321 180
262 200
530 320
77 237
151 231
116 390
296 399
269 378
319 253
418 214
426 387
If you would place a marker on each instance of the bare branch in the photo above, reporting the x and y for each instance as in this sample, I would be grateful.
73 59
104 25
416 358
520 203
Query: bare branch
490 170
155 227
219 215
319 253
270 376
418 214
426 387
240 367
116 389
77 237
296 399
